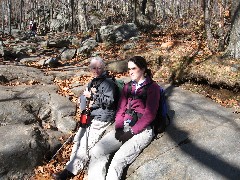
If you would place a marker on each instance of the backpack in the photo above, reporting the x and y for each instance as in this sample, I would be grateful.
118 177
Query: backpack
119 84
160 123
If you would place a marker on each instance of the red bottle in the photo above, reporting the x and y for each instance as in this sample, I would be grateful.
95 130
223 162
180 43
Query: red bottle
85 118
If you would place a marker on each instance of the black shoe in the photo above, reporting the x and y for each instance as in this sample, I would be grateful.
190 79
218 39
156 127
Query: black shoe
62 175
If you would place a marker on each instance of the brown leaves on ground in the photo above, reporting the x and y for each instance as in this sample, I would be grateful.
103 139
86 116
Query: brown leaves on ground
65 85
56 165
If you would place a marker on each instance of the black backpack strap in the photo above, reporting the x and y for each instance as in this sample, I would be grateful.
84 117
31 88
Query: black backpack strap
129 89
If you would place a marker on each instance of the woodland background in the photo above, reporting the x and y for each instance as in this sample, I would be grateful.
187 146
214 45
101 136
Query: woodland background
209 30
218 18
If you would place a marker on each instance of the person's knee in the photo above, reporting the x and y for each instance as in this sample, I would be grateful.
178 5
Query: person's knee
95 152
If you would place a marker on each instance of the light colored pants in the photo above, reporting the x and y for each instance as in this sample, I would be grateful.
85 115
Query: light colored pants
84 140
126 154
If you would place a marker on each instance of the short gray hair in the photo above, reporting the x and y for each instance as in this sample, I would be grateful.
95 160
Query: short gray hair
99 59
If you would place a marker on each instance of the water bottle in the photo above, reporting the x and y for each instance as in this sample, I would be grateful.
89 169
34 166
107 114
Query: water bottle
127 127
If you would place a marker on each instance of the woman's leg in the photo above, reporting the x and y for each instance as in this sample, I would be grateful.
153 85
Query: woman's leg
128 152
84 140
100 154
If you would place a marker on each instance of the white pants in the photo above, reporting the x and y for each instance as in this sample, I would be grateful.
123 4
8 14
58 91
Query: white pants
126 154
84 140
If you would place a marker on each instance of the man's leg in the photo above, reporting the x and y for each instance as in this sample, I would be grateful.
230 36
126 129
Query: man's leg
79 157
128 152
100 154
68 173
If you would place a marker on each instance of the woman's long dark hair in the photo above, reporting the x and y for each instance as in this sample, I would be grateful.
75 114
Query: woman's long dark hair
141 63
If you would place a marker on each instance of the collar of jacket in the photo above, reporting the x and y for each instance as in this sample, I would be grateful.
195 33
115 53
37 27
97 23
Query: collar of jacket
98 80
147 80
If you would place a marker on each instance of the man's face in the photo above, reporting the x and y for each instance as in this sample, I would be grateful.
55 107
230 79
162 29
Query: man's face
135 72
96 68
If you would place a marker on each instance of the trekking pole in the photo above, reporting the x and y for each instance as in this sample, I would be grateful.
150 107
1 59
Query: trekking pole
85 118
67 141
82 103
87 131
86 125
87 152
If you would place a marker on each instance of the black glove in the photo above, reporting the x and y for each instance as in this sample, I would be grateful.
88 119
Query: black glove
126 136
119 133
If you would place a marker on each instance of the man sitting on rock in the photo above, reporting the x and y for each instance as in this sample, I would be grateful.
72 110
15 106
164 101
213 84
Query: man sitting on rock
101 92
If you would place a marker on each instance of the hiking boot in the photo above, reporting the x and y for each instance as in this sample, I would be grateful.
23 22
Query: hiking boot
62 175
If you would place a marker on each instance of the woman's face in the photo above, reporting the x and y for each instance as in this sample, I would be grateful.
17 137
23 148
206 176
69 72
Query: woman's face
135 73
96 68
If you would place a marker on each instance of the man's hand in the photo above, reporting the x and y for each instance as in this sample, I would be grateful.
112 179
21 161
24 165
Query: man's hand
87 93
93 90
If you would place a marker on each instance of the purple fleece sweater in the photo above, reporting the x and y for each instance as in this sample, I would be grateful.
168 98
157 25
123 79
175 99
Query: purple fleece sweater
148 109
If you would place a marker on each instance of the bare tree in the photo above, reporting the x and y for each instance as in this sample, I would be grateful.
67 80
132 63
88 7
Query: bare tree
21 13
143 7
10 16
72 15
233 48
134 11
82 16
51 14
3 16
207 23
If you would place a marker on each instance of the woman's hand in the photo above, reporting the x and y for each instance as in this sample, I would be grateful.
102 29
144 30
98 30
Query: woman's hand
126 136
119 133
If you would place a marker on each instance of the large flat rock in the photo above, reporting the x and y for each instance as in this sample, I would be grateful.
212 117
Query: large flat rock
202 142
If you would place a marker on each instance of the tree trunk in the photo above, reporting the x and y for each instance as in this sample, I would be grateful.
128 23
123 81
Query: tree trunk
51 15
44 20
143 7
21 14
3 17
151 9
82 16
135 11
207 23
10 16
233 48
72 7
